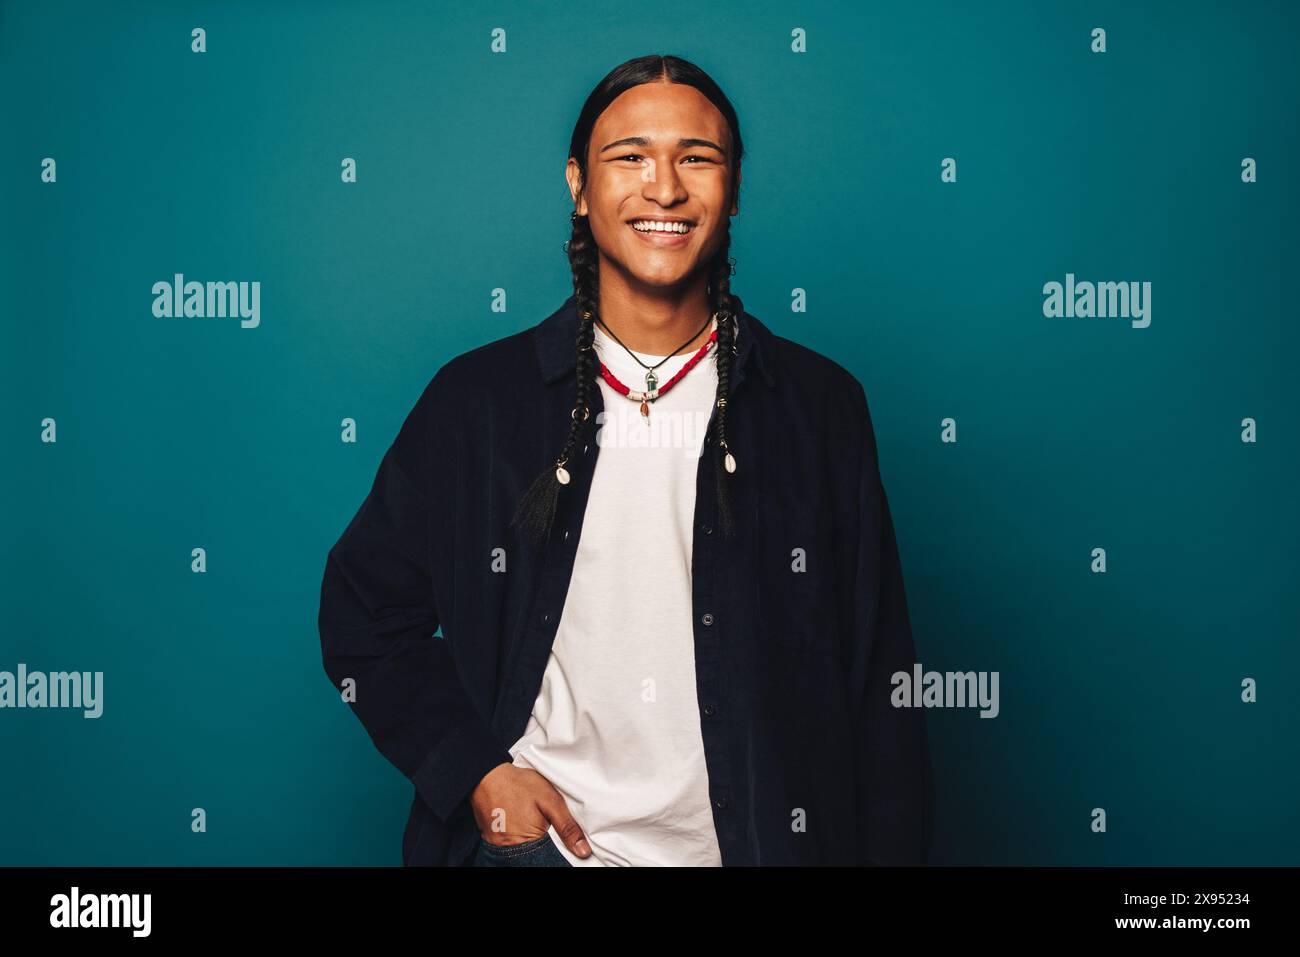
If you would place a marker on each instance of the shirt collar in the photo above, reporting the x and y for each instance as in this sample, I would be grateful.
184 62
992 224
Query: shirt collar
556 339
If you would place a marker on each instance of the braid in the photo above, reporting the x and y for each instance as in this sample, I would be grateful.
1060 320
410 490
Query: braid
536 510
727 307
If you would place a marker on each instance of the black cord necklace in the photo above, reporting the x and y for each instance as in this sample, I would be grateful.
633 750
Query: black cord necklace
652 380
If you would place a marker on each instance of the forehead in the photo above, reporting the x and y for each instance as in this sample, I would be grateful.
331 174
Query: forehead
662 111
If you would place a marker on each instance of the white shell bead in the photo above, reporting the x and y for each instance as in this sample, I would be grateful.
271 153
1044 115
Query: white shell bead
729 462
562 474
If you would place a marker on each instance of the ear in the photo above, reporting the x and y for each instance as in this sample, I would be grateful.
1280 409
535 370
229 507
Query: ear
574 176
735 204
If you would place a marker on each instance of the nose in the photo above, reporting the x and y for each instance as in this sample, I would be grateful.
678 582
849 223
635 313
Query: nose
662 184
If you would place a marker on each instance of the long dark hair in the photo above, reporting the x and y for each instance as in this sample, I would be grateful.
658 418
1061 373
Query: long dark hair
536 510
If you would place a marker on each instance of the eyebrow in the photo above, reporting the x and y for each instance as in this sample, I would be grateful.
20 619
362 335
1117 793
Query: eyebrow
684 143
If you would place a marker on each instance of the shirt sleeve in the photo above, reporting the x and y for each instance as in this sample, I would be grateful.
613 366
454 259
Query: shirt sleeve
377 622
893 770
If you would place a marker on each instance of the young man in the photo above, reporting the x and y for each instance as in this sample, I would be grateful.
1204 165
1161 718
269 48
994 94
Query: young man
674 645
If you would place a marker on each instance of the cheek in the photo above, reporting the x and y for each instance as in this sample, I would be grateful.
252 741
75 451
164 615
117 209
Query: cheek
709 244
612 234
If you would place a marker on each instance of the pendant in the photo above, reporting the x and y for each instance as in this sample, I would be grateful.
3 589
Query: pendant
651 380
645 410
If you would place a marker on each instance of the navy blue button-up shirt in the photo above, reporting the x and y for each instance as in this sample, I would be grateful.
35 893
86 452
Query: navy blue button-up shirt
800 620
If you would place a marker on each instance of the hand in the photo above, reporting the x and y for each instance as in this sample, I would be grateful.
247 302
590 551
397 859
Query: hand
530 803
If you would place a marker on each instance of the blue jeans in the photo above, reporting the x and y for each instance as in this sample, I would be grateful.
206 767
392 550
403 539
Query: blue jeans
540 852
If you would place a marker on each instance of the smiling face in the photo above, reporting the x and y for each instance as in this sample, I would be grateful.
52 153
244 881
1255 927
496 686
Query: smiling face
659 186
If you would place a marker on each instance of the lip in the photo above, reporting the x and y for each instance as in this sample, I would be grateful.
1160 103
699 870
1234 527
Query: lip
663 240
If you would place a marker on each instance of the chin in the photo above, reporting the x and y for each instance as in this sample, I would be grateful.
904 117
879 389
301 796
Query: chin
660 280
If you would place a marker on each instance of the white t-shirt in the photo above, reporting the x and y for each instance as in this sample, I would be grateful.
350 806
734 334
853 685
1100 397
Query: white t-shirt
616 724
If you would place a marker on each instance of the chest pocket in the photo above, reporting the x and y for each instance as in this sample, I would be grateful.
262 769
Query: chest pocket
797 600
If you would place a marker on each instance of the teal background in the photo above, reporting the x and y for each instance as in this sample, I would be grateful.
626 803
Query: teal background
1118 691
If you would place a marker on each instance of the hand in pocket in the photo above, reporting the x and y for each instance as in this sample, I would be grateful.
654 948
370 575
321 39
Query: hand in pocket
529 806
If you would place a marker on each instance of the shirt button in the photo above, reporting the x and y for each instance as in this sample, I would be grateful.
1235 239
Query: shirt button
566 534
706 528
722 802
709 711
546 616
707 618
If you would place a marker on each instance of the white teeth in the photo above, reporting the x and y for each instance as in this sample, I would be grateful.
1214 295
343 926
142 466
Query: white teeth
653 226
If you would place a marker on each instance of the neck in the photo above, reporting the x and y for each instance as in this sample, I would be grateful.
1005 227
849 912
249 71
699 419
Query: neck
655 321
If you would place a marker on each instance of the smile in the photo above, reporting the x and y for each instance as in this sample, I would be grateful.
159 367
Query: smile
661 233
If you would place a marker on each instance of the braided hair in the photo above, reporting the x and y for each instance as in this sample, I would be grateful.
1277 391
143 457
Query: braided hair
535 512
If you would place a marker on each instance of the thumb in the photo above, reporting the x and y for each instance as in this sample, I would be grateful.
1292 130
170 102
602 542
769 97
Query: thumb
557 812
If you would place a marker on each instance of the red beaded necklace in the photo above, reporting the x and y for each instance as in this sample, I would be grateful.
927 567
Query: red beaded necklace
651 394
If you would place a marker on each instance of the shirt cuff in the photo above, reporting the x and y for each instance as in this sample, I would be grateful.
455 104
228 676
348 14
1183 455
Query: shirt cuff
454 768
